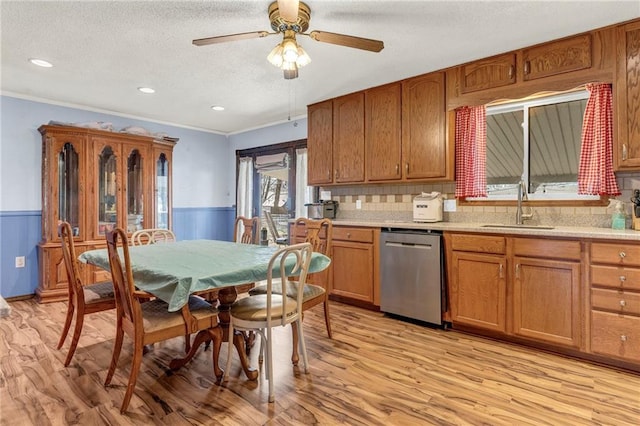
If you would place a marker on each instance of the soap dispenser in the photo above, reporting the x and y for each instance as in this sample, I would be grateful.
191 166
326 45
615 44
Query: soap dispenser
618 217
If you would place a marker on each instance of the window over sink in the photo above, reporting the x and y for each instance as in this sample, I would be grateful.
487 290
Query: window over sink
536 140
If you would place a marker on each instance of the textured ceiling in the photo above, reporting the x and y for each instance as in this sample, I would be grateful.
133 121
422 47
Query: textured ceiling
104 50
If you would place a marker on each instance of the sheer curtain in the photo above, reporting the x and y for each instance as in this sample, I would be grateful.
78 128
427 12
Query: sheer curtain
304 193
244 205
595 173
471 152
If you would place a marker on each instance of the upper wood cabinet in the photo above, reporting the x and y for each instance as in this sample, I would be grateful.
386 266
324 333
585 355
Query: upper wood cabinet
426 151
627 145
383 115
348 138
98 180
487 73
570 54
320 143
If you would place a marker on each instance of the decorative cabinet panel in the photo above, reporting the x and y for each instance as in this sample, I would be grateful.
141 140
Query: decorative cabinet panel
96 180
615 300
348 138
557 57
426 151
383 115
320 143
627 155
488 73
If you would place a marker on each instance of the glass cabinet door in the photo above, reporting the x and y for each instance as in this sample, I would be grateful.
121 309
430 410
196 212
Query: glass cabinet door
68 187
135 192
162 192
107 190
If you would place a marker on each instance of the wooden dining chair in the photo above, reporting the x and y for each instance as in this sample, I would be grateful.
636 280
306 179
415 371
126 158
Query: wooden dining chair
151 322
262 312
245 230
319 234
143 237
83 299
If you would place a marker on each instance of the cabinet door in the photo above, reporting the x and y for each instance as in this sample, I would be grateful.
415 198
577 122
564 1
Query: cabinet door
163 167
137 187
627 142
557 57
546 300
424 145
353 265
348 138
383 114
320 143
488 73
478 290
104 200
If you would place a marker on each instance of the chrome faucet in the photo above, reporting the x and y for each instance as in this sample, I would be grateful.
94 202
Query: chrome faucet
522 196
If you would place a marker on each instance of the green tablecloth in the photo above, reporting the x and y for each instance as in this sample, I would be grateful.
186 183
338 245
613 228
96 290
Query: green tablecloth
173 271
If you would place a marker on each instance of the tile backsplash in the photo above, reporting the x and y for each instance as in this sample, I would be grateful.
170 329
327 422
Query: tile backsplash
395 202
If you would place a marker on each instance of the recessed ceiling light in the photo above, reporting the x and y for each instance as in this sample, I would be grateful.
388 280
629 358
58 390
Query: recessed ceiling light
41 63
217 108
146 90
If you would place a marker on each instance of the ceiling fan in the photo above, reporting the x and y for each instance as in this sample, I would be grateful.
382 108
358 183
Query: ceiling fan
291 18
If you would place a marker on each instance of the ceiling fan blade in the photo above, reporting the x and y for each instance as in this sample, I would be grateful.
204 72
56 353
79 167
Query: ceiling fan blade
230 37
347 40
288 10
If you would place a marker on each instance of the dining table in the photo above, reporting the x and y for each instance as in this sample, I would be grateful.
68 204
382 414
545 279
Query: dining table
176 270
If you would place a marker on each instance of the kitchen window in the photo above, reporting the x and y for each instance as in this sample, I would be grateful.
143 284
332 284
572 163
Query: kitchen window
537 141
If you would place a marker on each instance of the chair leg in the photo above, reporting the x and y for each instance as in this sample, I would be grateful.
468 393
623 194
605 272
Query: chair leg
303 346
261 354
117 346
295 338
270 364
327 319
225 373
187 343
77 330
216 338
133 376
67 323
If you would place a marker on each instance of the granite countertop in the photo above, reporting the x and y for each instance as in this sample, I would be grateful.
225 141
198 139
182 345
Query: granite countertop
532 230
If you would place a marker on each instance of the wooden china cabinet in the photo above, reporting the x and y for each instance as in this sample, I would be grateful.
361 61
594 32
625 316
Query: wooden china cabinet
98 180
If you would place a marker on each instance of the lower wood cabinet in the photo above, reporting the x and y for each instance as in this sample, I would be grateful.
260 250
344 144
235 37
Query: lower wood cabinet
355 264
526 287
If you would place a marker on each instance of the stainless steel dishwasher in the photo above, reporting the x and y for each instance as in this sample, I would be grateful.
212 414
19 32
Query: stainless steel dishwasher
411 280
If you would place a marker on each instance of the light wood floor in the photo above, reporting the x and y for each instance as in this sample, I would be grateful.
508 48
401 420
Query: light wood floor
376 371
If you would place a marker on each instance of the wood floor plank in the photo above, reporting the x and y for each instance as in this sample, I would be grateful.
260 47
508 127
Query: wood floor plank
375 371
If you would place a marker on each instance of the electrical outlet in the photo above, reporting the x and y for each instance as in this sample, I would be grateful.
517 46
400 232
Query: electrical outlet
358 204
449 205
20 262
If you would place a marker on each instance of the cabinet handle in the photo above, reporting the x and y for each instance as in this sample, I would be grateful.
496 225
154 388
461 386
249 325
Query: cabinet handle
622 255
329 174
623 303
501 274
348 234
397 168
624 151
337 175
517 270
527 67
511 70
623 338
406 167
622 279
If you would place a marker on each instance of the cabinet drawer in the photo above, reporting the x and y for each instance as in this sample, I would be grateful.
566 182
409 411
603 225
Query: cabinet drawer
622 302
364 235
478 243
615 335
546 248
619 254
615 277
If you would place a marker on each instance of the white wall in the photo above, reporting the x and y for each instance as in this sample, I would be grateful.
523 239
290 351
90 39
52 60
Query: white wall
201 166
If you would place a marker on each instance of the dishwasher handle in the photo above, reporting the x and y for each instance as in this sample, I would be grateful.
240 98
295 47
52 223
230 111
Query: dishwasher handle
413 245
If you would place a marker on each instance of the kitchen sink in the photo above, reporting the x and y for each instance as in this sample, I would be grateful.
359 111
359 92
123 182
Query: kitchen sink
519 226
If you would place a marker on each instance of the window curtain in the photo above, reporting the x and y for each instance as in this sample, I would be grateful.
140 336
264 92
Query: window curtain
595 172
471 152
244 192
303 192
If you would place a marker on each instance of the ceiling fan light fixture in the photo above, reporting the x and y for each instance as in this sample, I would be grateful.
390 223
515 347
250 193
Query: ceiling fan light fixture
275 57
289 50
290 70
303 57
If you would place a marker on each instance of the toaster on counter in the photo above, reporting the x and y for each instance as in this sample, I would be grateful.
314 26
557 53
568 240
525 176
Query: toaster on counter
427 207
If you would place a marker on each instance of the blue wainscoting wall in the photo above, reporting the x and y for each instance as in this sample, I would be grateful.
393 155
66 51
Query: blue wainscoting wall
20 233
